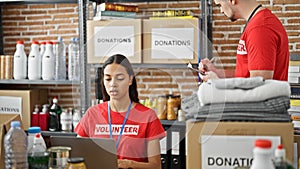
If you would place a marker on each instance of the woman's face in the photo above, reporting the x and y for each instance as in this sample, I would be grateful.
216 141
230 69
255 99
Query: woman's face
116 81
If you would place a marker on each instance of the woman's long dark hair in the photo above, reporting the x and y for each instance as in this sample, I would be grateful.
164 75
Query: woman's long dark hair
121 60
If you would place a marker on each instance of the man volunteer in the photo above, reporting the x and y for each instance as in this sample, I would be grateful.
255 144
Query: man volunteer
263 48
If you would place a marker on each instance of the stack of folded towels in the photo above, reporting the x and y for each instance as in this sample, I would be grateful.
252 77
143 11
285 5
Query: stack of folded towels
239 99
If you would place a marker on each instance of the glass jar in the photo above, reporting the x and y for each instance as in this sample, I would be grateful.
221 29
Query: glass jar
76 163
161 104
171 108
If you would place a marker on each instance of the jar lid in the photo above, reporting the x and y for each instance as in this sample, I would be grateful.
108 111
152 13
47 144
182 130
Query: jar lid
76 160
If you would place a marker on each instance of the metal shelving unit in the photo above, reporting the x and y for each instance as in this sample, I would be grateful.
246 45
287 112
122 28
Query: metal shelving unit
205 51
83 66
85 81
48 82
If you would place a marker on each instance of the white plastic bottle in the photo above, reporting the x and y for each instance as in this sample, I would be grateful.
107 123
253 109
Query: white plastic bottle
262 155
34 62
280 160
15 147
76 57
20 61
42 48
48 62
60 60
70 59
37 155
32 131
76 118
66 120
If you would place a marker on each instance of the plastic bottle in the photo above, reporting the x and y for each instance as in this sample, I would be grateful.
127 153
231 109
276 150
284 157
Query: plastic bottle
66 120
60 60
54 119
42 48
38 158
32 131
35 116
15 147
280 161
48 62
54 47
20 62
262 155
44 118
70 59
76 118
34 62
75 55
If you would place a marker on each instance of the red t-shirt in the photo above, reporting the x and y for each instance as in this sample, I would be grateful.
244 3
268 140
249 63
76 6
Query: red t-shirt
263 46
142 125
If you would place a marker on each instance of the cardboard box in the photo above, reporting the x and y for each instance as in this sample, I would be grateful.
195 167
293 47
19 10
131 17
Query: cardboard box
171 40
196 131
5 120
108 37
22 102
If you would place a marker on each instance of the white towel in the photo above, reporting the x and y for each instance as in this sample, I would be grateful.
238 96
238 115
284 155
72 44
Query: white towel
208 93
238 83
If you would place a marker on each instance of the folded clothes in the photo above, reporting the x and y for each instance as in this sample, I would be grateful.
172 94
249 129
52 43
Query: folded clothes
243 116
274 105
190 104
274 109
209 94
238 83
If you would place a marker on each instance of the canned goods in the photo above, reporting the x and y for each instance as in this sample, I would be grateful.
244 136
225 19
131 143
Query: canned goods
8 74
76 163
58 156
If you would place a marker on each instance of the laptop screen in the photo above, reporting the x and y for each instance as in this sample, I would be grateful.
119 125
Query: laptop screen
97 152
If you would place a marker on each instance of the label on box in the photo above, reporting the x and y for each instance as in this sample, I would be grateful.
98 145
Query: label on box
227 152
110 40
10 105
172 43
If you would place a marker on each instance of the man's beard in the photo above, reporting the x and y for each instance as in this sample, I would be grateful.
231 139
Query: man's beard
232 18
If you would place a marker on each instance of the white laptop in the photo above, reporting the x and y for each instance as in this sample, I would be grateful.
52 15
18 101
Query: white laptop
97 152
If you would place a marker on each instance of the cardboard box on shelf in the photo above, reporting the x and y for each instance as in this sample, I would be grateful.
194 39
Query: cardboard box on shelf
5 120
108 37
229 144
174 40
22 102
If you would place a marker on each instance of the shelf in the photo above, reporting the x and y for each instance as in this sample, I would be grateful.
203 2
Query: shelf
45 82
58 133
173 122
160 66
6 2
128 1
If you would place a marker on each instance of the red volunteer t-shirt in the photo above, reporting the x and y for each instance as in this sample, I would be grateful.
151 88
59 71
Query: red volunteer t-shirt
263 46
142 125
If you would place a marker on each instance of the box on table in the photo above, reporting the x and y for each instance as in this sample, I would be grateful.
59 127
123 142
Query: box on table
5 120
228 144
22 102
171 40
108 37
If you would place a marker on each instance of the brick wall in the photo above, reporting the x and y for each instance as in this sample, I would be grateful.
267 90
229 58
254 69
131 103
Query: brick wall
48 21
